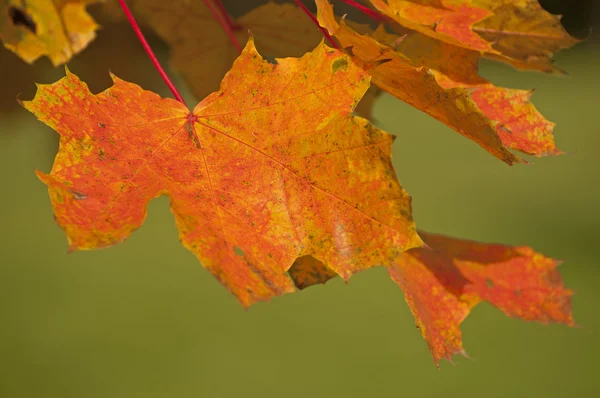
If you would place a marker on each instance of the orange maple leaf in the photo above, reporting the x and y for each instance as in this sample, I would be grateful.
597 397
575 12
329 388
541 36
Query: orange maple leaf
445 280
269 168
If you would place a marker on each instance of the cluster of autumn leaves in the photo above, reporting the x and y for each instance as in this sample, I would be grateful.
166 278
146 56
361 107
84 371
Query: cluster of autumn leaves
275 184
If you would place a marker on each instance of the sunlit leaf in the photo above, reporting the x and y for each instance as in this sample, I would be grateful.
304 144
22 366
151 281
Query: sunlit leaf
445 281
269 168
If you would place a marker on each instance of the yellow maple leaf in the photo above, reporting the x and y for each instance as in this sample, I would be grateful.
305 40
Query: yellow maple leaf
58 29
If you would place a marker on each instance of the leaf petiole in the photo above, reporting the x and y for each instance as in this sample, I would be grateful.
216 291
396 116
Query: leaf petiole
225 22
365 10
232 24
330 39
149 51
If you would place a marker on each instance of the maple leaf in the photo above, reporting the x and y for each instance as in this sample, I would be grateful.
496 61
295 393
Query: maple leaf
498 119
445 280
519 32
55 28
269 168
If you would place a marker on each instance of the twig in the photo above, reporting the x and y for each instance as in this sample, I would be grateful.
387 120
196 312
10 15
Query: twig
227 27
232 24
365 10
149 51
314 19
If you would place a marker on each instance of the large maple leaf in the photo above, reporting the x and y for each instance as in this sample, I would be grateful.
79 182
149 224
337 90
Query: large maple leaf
55 28
519 32
420 72
269 168
445 280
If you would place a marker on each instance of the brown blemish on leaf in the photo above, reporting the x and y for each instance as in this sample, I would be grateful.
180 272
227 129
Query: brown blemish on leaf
79 195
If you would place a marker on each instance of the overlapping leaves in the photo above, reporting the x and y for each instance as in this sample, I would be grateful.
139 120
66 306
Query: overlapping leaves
442 81
275 186
519 32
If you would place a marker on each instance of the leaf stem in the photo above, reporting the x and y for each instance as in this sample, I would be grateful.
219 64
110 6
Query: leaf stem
149 51
314 19
365 10
225 22
232 24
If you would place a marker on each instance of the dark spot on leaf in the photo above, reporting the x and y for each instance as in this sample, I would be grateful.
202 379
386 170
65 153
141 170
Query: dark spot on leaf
504 129
102 125
238 251
340 63
192 135
21 18
79 195
489 283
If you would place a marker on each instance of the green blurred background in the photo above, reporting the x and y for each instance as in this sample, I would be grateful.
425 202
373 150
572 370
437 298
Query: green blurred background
143 319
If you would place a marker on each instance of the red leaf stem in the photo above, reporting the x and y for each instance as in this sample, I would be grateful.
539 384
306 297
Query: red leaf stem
365 10
334 44
227 27
150 53
232 24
